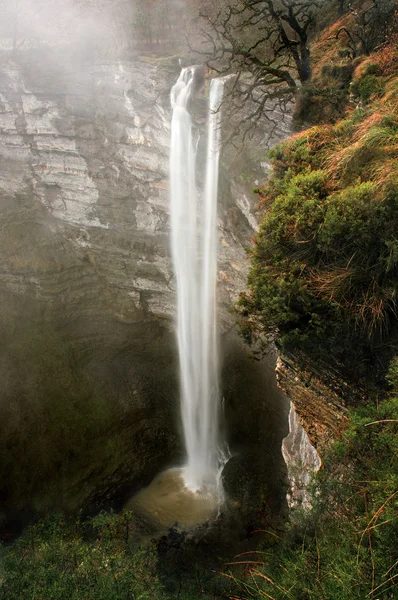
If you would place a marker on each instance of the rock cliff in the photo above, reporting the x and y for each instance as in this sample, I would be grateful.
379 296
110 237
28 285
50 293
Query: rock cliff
87 154
85 266
320 396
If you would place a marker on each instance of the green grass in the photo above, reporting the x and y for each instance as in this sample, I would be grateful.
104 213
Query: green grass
324 264
66 558
345 547
60 558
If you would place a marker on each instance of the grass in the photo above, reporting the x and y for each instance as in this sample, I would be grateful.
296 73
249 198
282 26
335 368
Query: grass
61 558
324 264
64 557
344 548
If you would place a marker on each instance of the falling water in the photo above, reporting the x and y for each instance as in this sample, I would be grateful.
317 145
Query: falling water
194 248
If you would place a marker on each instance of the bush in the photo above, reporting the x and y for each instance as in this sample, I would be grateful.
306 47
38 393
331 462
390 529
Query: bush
60 558
325 261
66 558
344 548
368 87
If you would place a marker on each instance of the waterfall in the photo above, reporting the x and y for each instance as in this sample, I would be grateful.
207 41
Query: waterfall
194 251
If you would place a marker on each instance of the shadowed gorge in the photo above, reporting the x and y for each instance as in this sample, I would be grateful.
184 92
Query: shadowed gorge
87 282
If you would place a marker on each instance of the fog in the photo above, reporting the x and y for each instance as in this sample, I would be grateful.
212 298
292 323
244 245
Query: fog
82 23
107 28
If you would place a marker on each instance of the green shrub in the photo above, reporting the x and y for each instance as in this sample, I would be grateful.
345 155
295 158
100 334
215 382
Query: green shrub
59 559
325 260
368 87
66 558
344 548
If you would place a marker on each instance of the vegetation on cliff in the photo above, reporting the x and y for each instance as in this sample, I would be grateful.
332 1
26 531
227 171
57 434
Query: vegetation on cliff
325 262
344 548
273 49
324 279
70 558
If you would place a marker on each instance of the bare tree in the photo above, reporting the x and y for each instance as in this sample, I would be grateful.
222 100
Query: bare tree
270 35
369 25
343 5
265 43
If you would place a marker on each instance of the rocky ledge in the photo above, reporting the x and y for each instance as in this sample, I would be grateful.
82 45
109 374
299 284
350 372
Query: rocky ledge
320 396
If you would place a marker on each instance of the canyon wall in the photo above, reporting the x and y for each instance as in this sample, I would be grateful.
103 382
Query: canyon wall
88 364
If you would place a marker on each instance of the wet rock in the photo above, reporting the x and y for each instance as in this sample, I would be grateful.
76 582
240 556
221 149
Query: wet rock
302 461
85 261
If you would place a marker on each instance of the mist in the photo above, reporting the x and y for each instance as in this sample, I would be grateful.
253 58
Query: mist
95 28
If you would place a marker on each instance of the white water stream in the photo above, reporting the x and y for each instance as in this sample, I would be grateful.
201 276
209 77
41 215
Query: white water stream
194 250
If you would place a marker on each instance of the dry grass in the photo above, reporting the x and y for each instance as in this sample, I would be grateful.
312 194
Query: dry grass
385 172
373 141
337 233
355 151
330 45
363 68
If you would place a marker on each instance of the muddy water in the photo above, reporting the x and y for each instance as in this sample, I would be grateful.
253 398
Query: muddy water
167 502
254 479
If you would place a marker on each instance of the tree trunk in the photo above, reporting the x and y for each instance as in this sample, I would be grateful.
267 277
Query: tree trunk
341 7
304 68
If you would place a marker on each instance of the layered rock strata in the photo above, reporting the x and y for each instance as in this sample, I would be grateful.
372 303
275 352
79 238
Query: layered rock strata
85 267
319 395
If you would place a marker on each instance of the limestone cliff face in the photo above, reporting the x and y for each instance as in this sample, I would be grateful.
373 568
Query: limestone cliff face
85 265
302 460
87 154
